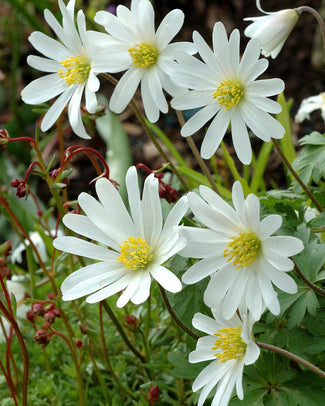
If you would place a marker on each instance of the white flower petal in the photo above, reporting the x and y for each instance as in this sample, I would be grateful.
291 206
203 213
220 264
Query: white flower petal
56 109
166 279
74 112
125 90
34 93
89 279
109 290
240 139
169 27
215 134
83 248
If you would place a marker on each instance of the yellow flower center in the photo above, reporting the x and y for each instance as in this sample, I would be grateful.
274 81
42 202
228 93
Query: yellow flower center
229 94
230 343
143 55
243 249
75 70
135 253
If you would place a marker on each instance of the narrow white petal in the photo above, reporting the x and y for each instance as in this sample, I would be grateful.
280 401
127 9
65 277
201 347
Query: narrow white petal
43 64
199 119
282 280
56 109
89 279
269 295
91 100
166 279
269 225
125 90
215 134
134 198
83 248
84 226
205 324
203 268
74 112
240 139
143 290
110 290
169 27
48 46
129 291
43 89
151 209
284 245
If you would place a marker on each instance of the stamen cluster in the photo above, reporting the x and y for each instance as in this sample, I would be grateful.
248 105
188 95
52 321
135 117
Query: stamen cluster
75 70
143 55
135 253
229 94
231 344
243 249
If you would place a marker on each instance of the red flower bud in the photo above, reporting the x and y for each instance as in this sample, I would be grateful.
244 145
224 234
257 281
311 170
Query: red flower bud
154 394
49 317
131 321
42 337
38 308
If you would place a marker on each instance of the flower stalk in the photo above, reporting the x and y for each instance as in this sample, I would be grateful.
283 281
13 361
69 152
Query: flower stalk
292 357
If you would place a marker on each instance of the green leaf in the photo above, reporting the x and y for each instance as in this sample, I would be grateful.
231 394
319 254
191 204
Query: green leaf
183 368
311 160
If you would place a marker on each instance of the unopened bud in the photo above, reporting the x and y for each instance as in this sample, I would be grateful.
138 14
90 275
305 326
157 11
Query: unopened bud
131 321
42 337
49 317
38 309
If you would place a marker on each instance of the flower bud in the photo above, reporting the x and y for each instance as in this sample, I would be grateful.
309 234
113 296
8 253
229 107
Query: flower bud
131 321
38 309
154 394
272 30
49 317
42 337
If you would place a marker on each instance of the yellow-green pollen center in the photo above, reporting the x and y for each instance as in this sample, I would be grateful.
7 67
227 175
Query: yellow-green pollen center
229 343
135 253
243 249
229 94
143 55
75 70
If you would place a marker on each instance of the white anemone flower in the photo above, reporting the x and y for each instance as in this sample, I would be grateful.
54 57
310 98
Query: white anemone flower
17 287
229 346
272 29
225 89
71 64
239 252
309 105
132 247
146 54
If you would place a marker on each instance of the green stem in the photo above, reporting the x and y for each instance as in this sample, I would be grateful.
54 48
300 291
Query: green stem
315 288
77 367
197 155
318 17
122 333
174 316
108 362
293 357
296 176
232 167
23 348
